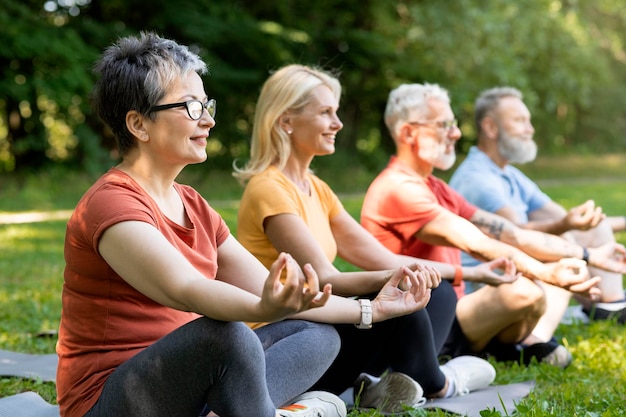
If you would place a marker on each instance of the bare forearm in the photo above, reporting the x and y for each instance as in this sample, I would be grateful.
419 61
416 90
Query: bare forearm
542 246
447 271
532 268
222 301
618 223
527 265
356 283
337 310
553 227
378 258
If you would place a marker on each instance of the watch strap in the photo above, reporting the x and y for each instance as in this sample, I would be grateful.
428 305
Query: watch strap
458 275
366 314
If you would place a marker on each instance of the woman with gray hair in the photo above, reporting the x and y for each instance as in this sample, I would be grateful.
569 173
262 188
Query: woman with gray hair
156 289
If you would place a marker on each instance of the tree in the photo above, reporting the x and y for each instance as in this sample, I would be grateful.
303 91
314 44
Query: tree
44 85
547 49
567 57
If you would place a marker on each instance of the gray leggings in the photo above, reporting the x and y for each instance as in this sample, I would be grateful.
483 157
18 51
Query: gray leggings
225 366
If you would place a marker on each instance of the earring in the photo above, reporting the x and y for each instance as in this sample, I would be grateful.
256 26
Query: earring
289 132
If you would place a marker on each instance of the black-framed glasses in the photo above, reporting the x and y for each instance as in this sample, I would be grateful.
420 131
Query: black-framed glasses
446 125
194 107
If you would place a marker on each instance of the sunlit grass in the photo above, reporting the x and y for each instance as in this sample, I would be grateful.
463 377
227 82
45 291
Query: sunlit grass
32 263
31 277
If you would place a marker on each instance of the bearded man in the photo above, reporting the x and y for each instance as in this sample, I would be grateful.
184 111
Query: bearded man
412 212
486 179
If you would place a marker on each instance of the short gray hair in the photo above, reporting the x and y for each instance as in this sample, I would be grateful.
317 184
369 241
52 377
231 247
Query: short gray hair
134 74
411 100
489 100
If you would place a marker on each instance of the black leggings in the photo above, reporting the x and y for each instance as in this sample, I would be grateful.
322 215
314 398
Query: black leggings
222 364
408 344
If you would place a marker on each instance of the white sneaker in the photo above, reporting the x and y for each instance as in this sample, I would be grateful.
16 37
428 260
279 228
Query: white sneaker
315 404
468 373
392 393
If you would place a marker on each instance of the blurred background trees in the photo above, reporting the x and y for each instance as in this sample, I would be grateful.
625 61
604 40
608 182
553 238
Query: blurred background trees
567 57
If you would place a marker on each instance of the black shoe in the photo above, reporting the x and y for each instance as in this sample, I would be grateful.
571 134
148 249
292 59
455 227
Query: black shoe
550 352
503 352
598 312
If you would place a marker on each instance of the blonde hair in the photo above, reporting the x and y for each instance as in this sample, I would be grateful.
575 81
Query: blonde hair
286 90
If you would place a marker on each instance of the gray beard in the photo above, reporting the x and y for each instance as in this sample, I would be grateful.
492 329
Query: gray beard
437 157
445 162
515 149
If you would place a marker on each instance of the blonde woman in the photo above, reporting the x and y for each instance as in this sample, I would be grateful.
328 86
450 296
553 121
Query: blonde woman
286 207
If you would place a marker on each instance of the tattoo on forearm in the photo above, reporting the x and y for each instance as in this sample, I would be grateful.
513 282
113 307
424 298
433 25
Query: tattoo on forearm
492 227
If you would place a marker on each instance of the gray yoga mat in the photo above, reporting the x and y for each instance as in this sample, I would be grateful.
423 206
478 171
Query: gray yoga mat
30 404
27 404
27 365
502 398
32 366
492 397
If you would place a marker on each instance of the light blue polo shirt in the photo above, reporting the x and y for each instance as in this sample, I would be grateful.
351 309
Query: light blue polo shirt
483 183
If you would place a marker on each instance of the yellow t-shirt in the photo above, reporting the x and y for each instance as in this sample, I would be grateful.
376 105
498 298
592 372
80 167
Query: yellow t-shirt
271 193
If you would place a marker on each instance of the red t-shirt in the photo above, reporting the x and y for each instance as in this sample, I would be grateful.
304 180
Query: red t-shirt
399 202
104 320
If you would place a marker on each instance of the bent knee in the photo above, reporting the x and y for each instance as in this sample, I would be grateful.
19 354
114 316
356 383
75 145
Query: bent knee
327 335
227 336
529 296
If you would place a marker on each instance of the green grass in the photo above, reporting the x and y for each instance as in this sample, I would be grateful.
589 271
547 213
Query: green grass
31 268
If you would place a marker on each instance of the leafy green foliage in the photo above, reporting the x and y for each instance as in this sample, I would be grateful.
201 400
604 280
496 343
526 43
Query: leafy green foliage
44 85
567 57
547 49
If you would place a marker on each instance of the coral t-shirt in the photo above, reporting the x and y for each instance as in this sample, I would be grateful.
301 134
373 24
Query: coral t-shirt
105 321
399 202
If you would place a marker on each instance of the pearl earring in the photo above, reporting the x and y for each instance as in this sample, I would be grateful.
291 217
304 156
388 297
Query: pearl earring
289 132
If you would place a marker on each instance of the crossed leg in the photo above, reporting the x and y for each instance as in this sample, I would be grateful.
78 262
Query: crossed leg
507 313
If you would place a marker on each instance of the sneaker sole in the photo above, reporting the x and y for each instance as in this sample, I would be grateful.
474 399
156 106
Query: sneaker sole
392 394
325 397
